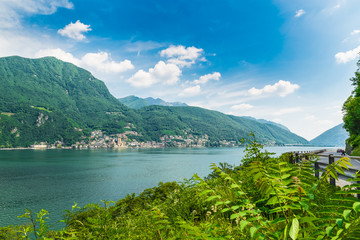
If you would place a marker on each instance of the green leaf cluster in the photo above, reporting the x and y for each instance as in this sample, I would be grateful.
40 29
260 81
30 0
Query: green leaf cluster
351 110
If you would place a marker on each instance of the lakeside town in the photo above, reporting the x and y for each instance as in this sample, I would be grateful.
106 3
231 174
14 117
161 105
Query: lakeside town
99 140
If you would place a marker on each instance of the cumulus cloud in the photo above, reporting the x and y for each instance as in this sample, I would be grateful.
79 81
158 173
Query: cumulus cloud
182 56
100 61
11 11
344 57
164 73
205 78
281 88
190 91
356 31
59 54
242 106
299 13
75 30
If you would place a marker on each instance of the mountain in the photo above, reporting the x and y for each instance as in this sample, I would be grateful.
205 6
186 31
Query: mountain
48 100
136 102
159 120
268 122
333 137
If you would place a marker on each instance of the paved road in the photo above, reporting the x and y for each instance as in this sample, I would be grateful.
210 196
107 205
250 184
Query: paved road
354 162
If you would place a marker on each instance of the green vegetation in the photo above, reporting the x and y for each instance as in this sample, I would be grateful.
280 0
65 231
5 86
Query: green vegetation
216 125
333 137
351 109
265 198
47 100
137 103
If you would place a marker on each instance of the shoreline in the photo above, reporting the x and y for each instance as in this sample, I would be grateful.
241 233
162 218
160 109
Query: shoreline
121 148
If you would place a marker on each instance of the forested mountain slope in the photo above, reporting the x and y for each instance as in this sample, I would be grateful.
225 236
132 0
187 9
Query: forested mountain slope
333 137
50 100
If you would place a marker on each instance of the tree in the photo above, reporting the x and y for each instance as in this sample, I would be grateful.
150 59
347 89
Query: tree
351 110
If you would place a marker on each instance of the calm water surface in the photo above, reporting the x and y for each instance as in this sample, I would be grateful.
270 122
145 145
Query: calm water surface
55 179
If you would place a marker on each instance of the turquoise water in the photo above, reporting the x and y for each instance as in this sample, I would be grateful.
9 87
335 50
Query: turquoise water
55 179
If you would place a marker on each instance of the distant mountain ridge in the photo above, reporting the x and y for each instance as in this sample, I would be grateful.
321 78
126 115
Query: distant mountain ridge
268 122
137 102
48 100
334 137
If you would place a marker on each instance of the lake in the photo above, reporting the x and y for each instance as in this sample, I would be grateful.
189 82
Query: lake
55 179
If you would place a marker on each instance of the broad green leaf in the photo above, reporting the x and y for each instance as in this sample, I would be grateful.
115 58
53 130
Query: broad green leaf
235 207
253 231
273 200
206 191
285 232
285 176
328 230
235 215
356 206
347 225
333 174
346 214
219 203
339 169
294 229
307 219
234 185
212 198
225 210
339 222
243 224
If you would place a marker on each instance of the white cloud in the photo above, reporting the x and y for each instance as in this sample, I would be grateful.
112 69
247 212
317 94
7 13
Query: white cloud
286 111
100 61
242 106
190 91
344 57
299 13
356 31
11 11
205 78
182 56
281 88
165 73
59 54
75 30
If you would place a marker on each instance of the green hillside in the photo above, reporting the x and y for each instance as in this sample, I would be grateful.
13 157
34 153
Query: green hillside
47 100
218 126
137 102
333 137
65 95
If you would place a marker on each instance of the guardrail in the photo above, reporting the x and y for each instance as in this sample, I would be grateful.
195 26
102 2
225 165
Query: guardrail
319 166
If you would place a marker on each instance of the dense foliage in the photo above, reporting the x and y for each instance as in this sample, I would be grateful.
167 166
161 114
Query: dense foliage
351 109
69 97
47 100
265 198
216 125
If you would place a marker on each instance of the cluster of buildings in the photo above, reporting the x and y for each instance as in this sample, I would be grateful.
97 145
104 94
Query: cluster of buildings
99 140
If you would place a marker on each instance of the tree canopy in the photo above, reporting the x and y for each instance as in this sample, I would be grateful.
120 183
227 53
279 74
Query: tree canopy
351 110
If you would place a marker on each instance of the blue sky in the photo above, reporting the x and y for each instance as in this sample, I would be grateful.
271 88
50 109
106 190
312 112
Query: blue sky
284 61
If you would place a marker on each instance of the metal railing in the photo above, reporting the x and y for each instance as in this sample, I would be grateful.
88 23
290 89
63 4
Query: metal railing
320 166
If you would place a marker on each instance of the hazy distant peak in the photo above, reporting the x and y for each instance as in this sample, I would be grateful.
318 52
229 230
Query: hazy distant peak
137 102
268 122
